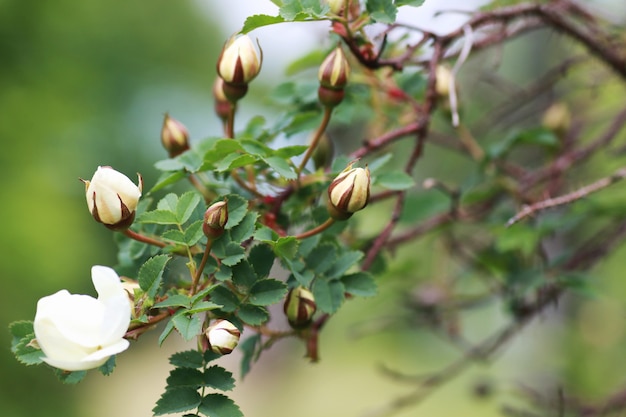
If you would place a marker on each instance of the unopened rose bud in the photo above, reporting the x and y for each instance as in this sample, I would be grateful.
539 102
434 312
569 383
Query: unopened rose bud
222 105
223 337
557 118
299 307
349 192
443 79
238 64
112 198
333 76
174 136
215 219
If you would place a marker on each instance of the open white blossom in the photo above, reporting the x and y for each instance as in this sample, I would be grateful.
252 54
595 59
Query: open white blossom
78 332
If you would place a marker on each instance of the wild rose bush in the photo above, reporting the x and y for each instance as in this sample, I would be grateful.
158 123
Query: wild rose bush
203 263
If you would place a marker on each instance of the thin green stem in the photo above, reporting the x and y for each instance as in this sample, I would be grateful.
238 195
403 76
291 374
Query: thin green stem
316 139
144 239
329 222
198 272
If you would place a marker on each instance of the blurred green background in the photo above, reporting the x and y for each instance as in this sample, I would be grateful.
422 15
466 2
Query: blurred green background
84 84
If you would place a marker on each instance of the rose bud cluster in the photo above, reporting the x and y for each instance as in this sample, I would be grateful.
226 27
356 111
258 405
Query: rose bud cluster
333 76
238 64
112 198
349 192
78 332
215 219
174 136
223 336
299 307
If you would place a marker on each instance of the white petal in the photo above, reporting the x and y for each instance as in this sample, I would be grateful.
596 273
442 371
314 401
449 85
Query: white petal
117 308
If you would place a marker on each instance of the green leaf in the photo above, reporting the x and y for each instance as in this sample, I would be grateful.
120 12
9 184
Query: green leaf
265 234
383 11
203 306
344 262
262 258
167 178
253 315
395 180
361 284
108 367
244 276
185 377
233 254
188 326
225 297
414 3
290 151
322 258
158 217
292 10
193 233
21 344
218 405
166 332
168 203
20 329
203 293
281 166
176 300
70 378
260 20
245 229
248 349
379 162
220 150
175 400
329 295
237 209
151 273
286 247
233 161
187 359
267 291
186 205
174 236
218 378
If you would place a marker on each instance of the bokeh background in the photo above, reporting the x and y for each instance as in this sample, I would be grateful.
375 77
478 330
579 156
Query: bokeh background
84 84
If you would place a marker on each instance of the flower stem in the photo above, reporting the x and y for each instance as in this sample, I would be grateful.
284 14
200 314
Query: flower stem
329 222
230 123
316 139
198 274
144 239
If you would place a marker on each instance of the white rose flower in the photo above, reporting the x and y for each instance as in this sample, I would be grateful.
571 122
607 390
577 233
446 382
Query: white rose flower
78 332
112 197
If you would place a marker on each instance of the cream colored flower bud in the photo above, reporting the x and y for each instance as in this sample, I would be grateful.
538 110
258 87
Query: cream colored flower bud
112 198
349 192
239 62
223 336
299 307
335 70
443 80
215 219
174 136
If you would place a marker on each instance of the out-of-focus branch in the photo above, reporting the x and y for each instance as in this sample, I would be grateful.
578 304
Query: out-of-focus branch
582 192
